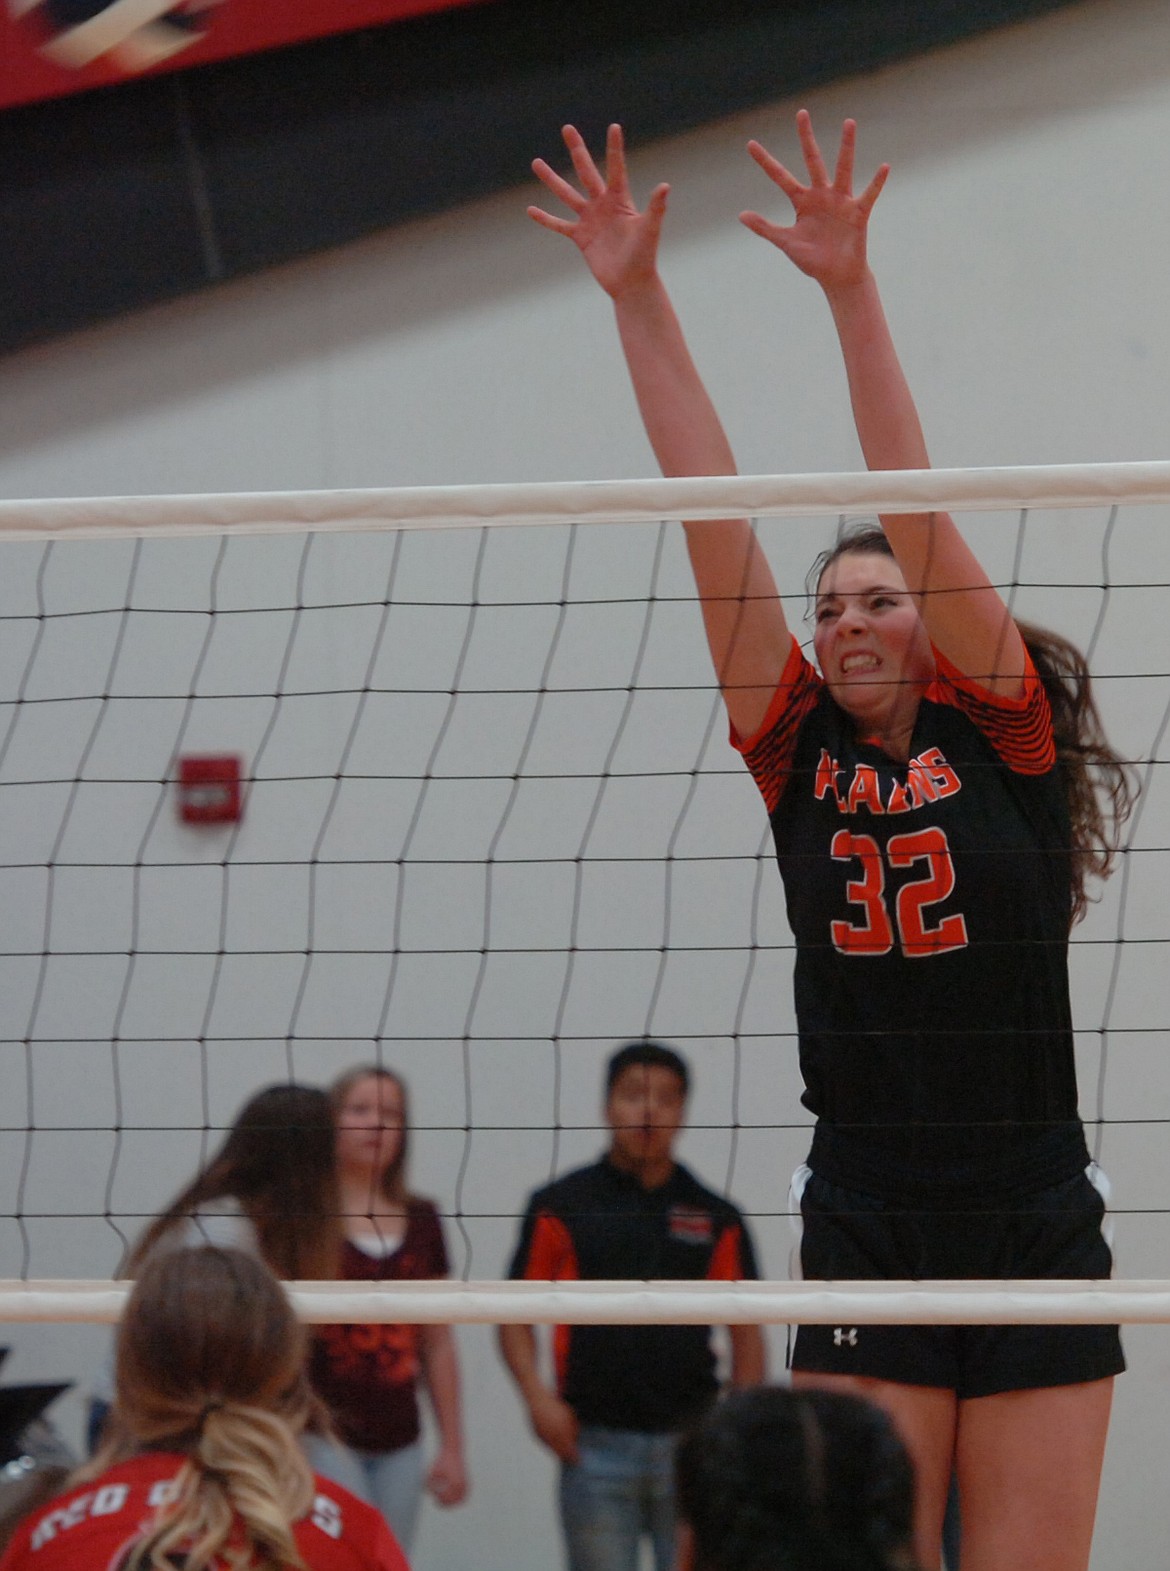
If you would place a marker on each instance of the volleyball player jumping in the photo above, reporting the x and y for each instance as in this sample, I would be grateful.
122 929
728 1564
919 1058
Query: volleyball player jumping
936 820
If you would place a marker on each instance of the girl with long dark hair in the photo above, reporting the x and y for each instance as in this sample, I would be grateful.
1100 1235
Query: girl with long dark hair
271 1187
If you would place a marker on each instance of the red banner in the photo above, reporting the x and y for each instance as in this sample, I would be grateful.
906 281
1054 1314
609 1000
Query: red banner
52 47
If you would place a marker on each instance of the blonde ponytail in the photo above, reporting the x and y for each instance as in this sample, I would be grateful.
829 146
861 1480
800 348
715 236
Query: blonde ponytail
245 1483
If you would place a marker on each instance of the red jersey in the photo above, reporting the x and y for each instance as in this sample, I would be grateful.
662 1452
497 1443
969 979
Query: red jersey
94 1527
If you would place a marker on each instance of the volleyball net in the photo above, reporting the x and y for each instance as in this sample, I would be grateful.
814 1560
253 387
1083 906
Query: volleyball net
491 828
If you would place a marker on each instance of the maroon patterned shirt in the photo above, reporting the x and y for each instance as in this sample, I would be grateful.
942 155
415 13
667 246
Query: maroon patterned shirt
367 1375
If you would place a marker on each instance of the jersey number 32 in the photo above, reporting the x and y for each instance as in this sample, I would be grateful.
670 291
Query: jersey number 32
917 936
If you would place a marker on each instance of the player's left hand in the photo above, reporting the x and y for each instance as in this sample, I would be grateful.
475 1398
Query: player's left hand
447 1478
827 240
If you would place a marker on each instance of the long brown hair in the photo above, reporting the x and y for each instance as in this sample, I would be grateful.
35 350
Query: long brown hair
211 1364
393 1180
277 1162
1100 785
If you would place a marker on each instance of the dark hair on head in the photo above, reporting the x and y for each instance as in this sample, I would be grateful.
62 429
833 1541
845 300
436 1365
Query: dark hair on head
393 1179
277 1162
1100 786
863 537
647 1054
211 1364
808 1480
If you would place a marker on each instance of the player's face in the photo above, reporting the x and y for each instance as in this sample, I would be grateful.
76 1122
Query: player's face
870 641
369 1125
645 1111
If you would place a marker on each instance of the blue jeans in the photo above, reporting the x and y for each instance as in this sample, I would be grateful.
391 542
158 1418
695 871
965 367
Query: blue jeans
622 1488
391 1481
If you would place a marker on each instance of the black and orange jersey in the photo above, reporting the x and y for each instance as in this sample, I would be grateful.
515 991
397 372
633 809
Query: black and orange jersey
599 1224
930 903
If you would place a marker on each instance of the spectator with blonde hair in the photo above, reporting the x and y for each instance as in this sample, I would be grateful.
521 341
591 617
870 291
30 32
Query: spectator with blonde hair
370 1376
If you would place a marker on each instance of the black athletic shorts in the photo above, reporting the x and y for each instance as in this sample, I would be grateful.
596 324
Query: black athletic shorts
1056 1233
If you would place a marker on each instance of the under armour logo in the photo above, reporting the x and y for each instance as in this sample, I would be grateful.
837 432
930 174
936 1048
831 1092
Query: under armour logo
843 1338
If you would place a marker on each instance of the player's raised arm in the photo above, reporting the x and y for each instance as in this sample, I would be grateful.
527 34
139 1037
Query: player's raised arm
963 612
743 616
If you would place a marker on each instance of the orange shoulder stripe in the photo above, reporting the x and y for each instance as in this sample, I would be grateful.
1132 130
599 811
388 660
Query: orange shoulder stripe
551 1256
1019 729
769 753
726 1264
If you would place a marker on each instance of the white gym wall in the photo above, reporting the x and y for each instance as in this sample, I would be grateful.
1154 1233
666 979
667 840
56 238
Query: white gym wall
1021 245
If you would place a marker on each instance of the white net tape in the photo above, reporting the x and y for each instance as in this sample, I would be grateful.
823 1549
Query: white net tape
599 502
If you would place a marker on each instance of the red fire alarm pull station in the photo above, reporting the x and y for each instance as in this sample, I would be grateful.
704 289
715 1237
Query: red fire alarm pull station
209 789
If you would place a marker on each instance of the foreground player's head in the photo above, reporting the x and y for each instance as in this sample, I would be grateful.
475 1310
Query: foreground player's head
211 1365
646 1086
779 1480
206 1331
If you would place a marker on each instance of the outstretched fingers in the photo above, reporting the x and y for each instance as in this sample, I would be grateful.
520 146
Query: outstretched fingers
559 187
594 186
587 171
813 161
616 178
843 179
759 225
776 171
873 190
571 197
655 214
559 226
841 186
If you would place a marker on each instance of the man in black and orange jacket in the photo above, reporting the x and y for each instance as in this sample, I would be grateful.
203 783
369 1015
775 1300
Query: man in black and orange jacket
623 1393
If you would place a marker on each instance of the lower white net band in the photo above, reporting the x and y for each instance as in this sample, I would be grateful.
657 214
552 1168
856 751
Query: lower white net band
657 1303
